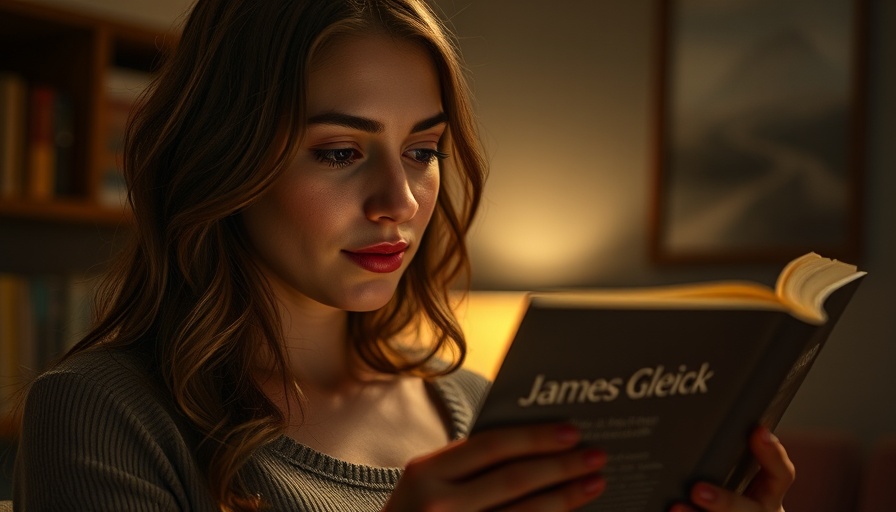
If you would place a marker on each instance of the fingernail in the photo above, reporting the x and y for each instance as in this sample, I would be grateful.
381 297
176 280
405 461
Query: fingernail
706 493
593 485
567 434
595 458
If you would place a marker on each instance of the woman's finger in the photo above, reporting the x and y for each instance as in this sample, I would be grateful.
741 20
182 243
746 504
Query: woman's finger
521 478
777 471
466 458
531 464
765 493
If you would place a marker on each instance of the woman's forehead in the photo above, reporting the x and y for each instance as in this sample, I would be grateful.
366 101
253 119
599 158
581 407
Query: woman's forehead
367 74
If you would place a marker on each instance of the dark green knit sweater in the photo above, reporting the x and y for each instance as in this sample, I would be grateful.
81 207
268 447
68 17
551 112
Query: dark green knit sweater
98 434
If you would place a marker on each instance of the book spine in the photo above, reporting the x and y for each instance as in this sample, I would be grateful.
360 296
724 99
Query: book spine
79 312
729 448
10 294
64 144
41 149
113 190
41 317
783 367
123 88
57 306
13 126
41 320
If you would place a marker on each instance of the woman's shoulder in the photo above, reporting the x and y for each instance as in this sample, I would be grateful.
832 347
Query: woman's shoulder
115 380
99 425
101 367
468 384
462 392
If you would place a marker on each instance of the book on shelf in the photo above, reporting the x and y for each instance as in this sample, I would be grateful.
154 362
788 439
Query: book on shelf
123 88
37 138
64 145
40 179
41 317
13 124
10 333
113 189
669 381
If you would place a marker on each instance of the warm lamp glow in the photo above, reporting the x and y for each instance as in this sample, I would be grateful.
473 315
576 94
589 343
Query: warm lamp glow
489 321
552 234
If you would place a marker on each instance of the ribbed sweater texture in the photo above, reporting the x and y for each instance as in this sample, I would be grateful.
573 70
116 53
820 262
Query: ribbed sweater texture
100 435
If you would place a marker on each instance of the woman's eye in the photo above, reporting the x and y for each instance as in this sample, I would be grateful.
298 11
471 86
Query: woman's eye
426 156
336 157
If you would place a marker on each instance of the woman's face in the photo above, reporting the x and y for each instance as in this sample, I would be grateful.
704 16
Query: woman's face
344 221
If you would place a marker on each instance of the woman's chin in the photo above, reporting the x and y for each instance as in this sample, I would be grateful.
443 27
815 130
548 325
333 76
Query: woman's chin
369 298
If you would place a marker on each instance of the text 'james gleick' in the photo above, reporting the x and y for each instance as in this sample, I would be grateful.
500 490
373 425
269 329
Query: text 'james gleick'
645 383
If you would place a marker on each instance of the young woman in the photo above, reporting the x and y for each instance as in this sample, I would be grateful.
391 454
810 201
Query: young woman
302 177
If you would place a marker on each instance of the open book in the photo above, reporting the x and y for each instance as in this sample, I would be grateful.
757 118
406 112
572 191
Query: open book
669 381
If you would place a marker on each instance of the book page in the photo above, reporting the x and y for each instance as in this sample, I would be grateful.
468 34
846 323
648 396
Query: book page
718 294
806 282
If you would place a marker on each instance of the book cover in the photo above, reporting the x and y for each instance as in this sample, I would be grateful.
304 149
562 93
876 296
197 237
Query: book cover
669 381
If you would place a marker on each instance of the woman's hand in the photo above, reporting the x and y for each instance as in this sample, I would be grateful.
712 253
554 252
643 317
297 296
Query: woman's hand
515 468
764 494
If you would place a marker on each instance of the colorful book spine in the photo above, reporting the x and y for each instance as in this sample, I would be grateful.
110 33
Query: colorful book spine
40 182
13 126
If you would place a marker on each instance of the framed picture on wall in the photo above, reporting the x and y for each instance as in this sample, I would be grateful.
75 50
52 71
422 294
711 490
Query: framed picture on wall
760 114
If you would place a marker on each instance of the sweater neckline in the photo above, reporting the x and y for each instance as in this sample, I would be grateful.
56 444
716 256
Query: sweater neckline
373 477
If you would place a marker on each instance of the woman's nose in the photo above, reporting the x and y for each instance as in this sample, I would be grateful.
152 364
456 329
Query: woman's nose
390 195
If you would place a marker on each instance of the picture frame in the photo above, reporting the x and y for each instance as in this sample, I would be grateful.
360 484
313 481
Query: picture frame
759 130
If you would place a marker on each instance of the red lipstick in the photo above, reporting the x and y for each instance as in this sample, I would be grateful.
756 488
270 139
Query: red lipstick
381 258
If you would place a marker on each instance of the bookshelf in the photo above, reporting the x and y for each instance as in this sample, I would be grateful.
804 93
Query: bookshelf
63 230
72 54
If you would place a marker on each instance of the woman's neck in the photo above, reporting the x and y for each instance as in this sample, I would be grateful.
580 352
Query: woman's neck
346 409
315 343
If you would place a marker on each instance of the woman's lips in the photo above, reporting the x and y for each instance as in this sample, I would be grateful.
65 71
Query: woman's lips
381 258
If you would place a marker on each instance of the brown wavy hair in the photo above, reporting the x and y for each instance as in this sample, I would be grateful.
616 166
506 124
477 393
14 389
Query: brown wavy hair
220 123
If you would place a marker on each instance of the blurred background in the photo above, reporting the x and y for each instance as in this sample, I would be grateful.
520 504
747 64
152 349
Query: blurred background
566 93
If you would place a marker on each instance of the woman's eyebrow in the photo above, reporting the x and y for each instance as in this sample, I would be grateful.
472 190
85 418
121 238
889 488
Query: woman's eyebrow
430 122
371 125
348 121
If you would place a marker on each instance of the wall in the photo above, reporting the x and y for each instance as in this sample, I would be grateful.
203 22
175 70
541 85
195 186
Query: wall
564 91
